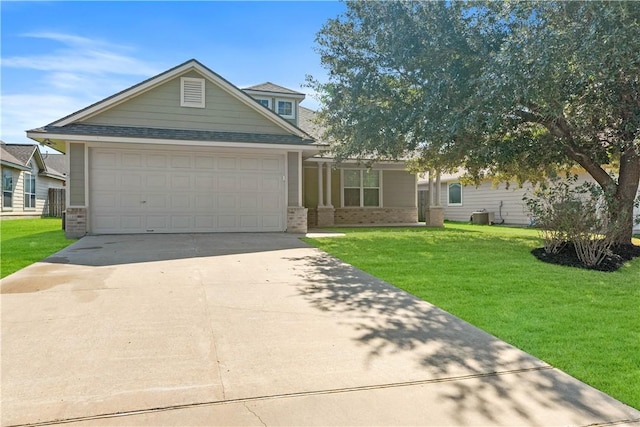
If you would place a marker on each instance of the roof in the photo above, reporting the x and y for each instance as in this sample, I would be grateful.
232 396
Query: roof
171 134
56 163
19 156
307 122
271 87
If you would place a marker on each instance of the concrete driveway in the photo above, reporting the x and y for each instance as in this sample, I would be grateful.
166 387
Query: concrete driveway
246 329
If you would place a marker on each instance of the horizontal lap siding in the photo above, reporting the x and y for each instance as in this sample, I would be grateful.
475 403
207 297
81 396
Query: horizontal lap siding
160 108
488 198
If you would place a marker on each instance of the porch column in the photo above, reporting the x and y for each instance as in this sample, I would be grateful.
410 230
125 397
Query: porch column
430 198
438 189
325 211
320 190
435 213
329 185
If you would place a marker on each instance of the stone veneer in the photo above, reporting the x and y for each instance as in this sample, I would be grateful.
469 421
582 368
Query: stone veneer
296 219
75 223
376 215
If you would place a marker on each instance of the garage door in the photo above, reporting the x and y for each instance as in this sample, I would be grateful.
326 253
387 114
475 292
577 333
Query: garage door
145 191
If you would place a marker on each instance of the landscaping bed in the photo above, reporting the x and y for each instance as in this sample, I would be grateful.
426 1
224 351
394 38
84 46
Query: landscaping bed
567 256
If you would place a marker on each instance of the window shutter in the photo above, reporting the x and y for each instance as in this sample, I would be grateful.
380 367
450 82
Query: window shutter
192 92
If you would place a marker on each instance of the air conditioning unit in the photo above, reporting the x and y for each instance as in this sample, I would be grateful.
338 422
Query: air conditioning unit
483 218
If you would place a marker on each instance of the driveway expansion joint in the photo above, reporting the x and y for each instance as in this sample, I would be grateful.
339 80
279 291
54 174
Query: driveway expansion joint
245 400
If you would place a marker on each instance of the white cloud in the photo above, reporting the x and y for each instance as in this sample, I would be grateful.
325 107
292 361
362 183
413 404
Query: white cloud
82 55
79 72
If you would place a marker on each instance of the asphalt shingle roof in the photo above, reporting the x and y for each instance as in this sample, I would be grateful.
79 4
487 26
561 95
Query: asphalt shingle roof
271 87
18 154
178 134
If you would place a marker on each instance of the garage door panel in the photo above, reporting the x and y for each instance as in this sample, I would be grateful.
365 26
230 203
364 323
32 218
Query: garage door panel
131 223
131 160
180 161
141 191
158 161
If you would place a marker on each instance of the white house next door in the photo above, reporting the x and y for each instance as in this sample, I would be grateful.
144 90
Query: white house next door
156 191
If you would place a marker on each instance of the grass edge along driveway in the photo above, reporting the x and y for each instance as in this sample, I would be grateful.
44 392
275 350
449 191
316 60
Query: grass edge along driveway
584 322
25 241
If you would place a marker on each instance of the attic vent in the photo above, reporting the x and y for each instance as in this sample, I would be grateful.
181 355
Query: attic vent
191 92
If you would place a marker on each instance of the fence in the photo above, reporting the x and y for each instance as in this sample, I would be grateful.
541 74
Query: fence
56 202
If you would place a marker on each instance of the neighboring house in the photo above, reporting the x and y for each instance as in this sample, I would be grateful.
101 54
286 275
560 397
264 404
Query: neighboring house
506 204
27 177
187 151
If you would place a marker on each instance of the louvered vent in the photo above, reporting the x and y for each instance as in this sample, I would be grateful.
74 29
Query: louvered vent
192 92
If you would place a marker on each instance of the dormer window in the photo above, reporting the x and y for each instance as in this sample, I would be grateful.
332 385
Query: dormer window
264 102
285 109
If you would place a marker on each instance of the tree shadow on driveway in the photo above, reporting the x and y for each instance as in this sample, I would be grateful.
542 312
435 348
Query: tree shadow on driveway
489 376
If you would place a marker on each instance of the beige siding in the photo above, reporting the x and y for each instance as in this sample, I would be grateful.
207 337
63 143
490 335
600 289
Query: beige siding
43 184
160 108
486 197
76 175
399 189
293 172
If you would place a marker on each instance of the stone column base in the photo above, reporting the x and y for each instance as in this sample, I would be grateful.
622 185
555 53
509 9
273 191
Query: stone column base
325 216
296 219
434 216
75 223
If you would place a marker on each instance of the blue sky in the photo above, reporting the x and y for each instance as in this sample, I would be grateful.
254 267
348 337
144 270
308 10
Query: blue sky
59 57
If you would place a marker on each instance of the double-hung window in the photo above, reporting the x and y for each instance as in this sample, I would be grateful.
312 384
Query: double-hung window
285 109
29 190
7 188
361 188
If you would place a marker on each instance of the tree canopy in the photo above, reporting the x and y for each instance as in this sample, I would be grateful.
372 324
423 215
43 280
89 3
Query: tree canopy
509 90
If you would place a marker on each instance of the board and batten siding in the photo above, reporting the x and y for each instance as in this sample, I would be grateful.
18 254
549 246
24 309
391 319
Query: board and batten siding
77 196
398 189
160 108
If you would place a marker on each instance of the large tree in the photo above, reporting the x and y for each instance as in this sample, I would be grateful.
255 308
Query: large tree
511 90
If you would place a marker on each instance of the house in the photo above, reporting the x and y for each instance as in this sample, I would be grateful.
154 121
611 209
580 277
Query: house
188 151
27 177
504 203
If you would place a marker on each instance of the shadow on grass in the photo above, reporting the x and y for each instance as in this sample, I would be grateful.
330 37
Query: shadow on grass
446 348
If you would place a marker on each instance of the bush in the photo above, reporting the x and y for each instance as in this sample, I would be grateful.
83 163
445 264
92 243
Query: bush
581 214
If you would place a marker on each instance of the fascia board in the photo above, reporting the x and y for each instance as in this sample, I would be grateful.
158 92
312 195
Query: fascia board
128 140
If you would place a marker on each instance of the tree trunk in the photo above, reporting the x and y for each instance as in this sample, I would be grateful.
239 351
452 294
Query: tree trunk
626 191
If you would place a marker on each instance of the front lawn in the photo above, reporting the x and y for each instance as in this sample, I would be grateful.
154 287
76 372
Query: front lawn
584 322
25 241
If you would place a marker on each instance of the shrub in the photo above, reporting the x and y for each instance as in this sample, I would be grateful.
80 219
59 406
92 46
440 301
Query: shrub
582 214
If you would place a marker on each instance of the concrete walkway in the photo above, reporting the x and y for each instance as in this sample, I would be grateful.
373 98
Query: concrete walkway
244 329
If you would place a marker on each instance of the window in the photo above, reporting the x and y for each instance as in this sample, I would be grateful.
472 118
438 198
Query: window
455 194
7 188
361 188
29 190
264 101
192 92
285 109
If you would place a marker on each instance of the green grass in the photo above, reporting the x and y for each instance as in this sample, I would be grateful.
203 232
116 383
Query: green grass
25 241
586 323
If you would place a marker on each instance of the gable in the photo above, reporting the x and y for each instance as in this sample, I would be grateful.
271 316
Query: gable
160 107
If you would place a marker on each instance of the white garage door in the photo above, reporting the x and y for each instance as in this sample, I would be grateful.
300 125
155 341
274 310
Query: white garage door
144 191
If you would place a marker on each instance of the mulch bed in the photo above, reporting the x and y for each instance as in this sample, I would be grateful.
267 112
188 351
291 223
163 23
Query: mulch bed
567 256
